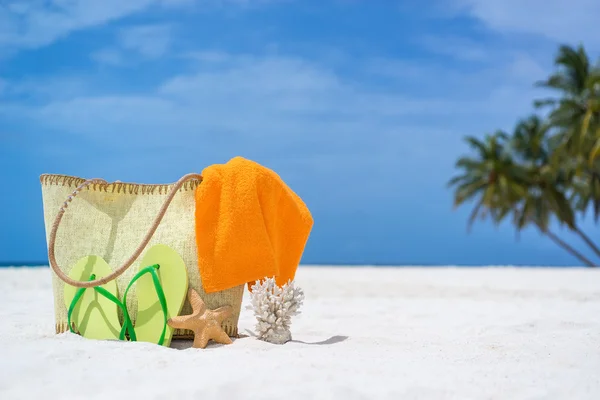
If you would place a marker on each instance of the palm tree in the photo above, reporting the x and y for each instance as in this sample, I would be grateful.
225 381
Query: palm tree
530 141
548 186
486 178
534 148
502 186
577 111
536 211
575 115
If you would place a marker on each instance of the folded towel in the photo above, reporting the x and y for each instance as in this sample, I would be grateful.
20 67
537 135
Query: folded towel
249 225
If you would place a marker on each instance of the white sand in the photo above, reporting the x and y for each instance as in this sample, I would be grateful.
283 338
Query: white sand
364 334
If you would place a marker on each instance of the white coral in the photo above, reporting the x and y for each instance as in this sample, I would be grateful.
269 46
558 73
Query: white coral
274 308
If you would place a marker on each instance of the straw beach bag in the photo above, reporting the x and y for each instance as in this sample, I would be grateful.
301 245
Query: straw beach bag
118 221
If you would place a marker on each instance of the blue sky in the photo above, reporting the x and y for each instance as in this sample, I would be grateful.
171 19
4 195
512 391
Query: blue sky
360 106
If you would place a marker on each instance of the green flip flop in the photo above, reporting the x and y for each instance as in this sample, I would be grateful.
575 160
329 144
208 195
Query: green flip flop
161 288
92 312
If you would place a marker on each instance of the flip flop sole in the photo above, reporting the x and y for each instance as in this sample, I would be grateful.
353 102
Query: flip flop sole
94 316
173 278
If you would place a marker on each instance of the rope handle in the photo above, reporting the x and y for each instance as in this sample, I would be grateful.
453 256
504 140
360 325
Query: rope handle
87 284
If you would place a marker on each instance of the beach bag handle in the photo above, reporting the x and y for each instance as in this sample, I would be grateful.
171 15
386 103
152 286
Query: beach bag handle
136 253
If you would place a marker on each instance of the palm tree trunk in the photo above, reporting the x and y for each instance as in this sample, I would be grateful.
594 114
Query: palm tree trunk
568 248
588 241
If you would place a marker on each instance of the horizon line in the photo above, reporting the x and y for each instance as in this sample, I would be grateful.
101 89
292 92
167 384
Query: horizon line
25 264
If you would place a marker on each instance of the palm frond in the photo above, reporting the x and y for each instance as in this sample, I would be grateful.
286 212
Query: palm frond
478 145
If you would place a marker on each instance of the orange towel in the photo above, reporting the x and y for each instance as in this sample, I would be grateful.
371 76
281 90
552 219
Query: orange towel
249 225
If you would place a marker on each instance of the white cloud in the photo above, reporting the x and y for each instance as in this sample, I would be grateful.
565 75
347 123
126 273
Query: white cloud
514 70
571 21
148 40
208 56
109 56
337 126
457 47
38 22
526 69
267 102
40 91
145 41
286 101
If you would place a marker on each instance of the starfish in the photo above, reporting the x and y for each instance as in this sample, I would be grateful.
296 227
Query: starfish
206 324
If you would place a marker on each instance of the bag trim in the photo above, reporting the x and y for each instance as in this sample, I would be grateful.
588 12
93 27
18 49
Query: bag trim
116 187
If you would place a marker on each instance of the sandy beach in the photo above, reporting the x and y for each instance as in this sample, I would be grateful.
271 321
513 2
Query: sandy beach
365 333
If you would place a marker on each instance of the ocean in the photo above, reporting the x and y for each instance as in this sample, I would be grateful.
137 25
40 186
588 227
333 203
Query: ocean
34 264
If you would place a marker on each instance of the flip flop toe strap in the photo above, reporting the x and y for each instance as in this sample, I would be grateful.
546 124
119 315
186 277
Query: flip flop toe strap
161 298
100 290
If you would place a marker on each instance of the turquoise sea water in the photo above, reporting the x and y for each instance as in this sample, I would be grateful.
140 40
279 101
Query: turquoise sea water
33 264
23 264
